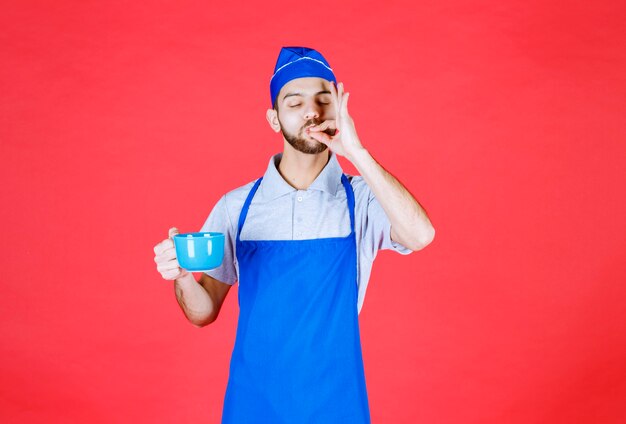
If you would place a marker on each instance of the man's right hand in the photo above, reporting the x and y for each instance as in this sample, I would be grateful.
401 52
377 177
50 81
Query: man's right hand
165 258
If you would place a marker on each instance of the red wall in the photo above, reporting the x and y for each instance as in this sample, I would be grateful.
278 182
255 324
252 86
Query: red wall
505 119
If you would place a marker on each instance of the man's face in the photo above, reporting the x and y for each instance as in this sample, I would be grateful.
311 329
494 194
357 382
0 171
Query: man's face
303 102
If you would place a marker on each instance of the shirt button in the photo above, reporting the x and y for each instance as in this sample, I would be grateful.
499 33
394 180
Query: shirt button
299 198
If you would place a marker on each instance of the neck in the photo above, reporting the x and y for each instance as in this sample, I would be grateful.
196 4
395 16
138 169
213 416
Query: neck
301 169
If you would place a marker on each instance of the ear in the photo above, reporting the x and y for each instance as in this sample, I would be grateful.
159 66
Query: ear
272 119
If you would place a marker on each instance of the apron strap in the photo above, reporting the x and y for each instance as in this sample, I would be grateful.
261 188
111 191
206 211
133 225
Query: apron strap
246 205
350 196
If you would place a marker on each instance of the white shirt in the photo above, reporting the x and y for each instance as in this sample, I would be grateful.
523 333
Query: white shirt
280 212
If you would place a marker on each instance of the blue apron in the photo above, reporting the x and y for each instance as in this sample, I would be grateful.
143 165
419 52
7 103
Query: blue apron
297 355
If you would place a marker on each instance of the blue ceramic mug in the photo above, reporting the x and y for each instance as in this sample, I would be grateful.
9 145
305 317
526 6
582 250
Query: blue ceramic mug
199 251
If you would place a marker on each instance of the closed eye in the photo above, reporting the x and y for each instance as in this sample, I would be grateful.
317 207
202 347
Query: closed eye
298 104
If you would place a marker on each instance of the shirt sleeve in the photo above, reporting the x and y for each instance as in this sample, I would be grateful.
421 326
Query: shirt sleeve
219 221
377 230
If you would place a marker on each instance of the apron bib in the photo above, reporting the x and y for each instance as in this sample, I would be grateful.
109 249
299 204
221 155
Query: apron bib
297 355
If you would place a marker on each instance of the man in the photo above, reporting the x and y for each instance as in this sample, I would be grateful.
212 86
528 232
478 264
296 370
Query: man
301 241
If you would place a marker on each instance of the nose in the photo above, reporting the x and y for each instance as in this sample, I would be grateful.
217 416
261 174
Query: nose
311 110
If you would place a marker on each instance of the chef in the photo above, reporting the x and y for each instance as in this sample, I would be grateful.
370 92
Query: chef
300 243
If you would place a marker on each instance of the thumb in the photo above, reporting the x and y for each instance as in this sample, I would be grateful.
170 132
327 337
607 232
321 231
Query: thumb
172 232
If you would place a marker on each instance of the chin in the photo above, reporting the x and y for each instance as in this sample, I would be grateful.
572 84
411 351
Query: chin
313 147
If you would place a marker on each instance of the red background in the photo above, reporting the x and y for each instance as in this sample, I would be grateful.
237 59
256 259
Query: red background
505 119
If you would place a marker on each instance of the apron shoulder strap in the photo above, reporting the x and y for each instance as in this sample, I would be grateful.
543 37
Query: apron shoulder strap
350 195
246 206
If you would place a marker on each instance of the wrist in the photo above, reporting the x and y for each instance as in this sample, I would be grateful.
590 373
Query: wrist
359 158
186 278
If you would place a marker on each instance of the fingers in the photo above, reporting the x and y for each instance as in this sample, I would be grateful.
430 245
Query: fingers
163 246
322 137
170 270
343 100
340 100
165 257
167 243
333 93
168 266
165 252
330 123
168 255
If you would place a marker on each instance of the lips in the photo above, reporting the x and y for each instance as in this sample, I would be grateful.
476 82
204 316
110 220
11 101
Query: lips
306 129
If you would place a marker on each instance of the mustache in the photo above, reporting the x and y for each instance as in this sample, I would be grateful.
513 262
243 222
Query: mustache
311 122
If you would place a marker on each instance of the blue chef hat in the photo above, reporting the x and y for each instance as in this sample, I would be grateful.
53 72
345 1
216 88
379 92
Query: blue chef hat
298 62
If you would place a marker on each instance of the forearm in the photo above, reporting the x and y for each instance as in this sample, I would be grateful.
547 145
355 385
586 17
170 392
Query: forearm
409 222
194 300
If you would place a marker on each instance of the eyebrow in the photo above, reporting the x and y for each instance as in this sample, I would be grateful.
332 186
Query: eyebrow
300 94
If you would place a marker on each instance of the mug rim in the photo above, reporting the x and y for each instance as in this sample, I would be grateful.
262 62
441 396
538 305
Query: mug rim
200 235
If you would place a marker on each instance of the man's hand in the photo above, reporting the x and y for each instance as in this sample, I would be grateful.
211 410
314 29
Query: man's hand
345 141
165 258
410 226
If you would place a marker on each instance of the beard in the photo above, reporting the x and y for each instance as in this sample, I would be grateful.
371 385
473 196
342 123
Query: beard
303 142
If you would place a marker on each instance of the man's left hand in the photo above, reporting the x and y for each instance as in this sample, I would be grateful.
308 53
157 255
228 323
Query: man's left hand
345 141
